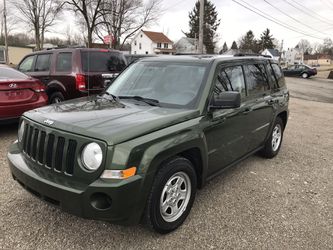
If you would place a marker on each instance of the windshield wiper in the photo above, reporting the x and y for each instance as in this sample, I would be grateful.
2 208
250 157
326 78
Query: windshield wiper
151 102
108 96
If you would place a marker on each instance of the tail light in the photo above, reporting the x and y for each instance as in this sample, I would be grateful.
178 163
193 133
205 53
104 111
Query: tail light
38 87
80 82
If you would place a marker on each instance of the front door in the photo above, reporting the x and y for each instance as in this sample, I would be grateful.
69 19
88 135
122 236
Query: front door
226 132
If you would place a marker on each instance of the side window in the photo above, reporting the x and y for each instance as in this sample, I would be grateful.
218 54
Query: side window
64 62
278 75
26 65
43 62
257 82
230 79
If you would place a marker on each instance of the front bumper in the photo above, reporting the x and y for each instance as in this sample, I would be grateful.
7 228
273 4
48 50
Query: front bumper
88 202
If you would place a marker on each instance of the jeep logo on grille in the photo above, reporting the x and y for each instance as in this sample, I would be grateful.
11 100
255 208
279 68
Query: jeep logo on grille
48 122
12 85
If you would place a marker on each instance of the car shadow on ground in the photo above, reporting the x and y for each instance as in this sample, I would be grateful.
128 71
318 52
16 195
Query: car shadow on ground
8 129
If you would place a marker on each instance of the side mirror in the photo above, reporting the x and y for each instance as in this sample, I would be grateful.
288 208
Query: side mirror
226 100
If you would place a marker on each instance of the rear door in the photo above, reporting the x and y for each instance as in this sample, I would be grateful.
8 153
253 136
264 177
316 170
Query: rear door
260 103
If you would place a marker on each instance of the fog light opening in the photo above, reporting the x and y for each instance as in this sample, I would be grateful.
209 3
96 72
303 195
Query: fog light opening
100 201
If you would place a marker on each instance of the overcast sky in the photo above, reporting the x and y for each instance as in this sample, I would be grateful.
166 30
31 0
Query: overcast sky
236 20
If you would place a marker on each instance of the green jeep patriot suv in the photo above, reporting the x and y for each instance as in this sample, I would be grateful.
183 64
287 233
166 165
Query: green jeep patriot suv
141 149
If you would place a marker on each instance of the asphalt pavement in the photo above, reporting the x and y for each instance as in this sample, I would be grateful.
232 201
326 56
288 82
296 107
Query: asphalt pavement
282 203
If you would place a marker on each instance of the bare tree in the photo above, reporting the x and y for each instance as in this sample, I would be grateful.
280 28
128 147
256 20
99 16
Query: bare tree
91 14
123 18
39 15
304 46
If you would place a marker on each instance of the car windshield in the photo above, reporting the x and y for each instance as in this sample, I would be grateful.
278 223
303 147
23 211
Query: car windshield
172 84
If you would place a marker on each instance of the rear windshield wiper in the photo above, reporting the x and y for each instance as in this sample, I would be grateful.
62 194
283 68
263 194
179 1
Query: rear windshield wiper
151 102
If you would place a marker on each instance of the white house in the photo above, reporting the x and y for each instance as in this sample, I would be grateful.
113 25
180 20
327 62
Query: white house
292 56
149 42
273 53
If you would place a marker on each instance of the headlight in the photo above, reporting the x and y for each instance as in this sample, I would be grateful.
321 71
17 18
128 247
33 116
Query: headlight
21 131
92 156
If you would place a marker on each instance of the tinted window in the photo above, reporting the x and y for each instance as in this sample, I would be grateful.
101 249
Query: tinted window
278 75
100 61
8 73
64 62
230 79
26 65
43 62
256 79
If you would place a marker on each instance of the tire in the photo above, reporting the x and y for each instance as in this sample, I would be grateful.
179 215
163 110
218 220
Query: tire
274 142
305 75
56 97
165 218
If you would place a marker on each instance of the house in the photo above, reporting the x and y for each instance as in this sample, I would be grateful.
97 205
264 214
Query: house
273 53
187 45
149 42
15 54
318 59
292 56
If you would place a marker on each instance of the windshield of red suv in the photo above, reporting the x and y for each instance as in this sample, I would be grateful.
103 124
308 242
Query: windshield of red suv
172 84
102 61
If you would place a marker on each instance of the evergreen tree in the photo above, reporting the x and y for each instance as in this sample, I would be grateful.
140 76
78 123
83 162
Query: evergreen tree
224 48
234 45
211 23
248 42
266 40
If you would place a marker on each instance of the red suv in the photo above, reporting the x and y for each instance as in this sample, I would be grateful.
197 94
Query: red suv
19 93
73 72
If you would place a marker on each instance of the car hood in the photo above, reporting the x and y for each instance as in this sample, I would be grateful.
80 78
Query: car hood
108 121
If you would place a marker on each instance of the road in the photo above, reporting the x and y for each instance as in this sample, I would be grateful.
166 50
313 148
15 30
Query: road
282 203
313 89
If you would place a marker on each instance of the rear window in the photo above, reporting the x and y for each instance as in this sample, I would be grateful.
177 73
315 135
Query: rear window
100 61
8 73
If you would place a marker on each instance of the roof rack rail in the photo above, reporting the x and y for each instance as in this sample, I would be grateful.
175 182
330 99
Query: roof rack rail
251 54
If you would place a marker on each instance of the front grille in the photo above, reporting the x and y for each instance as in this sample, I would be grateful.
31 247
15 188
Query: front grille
50 150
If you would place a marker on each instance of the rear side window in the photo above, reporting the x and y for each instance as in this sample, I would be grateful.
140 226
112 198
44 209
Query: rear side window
64 62
100 61
43 62
278 75
8 73
256 79
230 79
26 65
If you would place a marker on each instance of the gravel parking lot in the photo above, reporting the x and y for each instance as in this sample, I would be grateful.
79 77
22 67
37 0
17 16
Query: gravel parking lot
283 203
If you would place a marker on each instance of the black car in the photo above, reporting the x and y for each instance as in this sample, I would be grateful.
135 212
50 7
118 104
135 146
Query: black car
300 70
131 58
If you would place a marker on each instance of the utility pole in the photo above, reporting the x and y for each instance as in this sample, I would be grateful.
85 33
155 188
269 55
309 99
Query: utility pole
281 48
201 24
5 24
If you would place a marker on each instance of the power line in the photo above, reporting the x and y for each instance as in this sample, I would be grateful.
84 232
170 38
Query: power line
296 20
308 12
270 18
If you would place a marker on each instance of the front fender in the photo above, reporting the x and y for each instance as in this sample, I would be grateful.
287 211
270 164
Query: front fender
148 152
